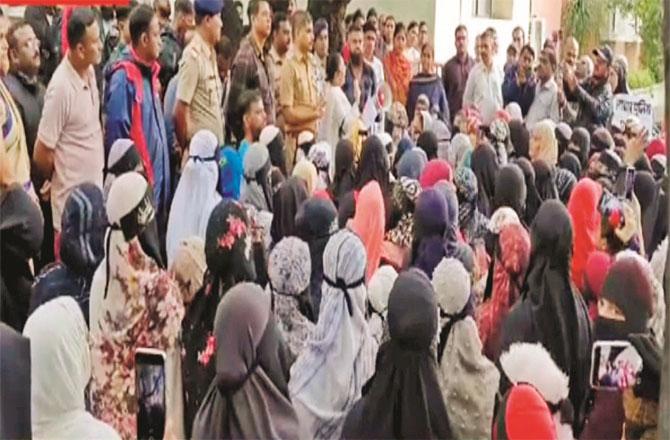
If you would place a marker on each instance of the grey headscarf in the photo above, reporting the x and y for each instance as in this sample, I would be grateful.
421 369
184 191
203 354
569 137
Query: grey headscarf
256 189
412 163
248 397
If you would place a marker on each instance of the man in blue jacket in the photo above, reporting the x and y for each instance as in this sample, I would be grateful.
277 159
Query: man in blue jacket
133 108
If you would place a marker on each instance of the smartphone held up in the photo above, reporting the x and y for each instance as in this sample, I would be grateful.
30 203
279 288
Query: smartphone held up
150 392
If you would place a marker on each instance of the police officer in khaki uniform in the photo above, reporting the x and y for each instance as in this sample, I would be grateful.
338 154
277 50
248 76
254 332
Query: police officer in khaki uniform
199 89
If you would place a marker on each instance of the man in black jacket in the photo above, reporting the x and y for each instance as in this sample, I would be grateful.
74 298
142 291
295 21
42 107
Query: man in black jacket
173 38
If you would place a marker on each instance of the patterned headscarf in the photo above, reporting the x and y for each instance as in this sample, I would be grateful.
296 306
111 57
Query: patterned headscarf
289 269
472 222
460 151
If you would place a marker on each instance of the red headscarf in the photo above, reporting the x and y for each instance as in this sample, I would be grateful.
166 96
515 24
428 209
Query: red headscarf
583 209
399 74
508 272
369 222
598 264
523 415
656 146
435 170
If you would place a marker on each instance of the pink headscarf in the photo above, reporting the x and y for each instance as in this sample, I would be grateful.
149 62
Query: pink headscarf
435 170
369 222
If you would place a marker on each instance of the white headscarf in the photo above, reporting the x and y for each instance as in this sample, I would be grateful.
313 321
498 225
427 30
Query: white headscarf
459 151
196 194
532 364
379 288
320 156
118 149
470 380
252 192
61 369
514 111
339 357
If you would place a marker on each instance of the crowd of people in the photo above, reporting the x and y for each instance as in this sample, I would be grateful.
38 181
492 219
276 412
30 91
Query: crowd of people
313 261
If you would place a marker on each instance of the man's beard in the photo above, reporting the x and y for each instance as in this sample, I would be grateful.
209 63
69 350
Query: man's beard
356 58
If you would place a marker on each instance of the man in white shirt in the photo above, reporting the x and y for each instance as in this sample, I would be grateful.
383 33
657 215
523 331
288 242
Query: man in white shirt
484 86
369 44
545 104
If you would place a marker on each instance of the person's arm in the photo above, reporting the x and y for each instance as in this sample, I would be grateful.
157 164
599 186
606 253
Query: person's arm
553 109
118 109
600 106
186 84
43 156
510 89
295 114
54 116
469 92
444 107
182 116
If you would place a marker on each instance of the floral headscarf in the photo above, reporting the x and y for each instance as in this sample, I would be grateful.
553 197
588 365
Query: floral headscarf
404 195
320 156
289 269
472 222
509 269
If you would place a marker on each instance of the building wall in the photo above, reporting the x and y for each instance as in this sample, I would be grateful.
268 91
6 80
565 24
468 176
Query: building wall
550 10
450 13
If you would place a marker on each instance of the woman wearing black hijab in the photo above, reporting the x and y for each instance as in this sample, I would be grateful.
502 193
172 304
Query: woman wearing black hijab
315 222
569 161
484 164
374 165
533 200
21 229
544 180
550 311
510 190
647 193
519 137
291 194
580 144
229 261
345 173
248 396
403 399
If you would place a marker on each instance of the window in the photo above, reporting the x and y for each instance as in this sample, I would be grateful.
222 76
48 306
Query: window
496 9
481 8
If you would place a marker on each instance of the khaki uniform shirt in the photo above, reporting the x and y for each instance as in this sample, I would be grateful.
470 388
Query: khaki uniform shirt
200 87
297 85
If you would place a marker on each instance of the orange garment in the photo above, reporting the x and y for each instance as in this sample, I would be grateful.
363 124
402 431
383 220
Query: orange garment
368 223
398 74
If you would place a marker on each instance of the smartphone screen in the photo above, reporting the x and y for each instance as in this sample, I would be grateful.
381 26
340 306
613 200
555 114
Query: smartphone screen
630 182
614 365
150 392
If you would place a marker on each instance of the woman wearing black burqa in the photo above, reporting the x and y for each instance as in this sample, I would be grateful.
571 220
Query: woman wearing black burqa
403 399
550 311
229 262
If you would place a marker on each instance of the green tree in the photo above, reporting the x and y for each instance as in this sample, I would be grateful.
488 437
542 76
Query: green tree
648 15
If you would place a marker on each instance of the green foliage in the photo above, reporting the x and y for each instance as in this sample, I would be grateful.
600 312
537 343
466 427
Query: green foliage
649 17
584 19
640 79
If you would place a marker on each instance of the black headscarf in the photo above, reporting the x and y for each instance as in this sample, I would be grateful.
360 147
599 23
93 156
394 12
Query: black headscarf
15 376
248 396
21 232
569 161
404 398
647 193
484 164
315 222
519 137
345 173
292 193
510 190
229 261
565 181
580 145
533 200
374 165
550 311
544 180
427 141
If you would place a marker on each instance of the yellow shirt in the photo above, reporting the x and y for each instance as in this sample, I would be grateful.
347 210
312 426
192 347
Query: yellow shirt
200 87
